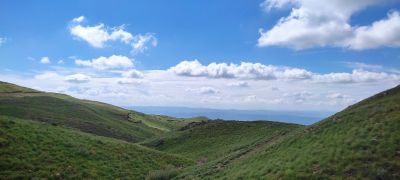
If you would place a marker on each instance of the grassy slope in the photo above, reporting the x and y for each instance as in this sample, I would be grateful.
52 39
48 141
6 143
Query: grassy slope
211 140
30 149
8 87
360 142
88 116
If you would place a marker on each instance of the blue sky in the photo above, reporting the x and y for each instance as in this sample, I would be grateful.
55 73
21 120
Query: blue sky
309 47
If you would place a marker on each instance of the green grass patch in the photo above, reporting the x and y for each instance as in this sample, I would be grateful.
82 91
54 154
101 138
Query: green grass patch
30 150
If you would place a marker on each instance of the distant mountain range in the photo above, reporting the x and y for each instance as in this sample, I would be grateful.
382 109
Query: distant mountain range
298 117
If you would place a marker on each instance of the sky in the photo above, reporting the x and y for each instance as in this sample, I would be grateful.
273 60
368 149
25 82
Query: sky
244 54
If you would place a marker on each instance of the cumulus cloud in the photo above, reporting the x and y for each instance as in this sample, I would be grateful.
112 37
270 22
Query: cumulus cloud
260 71
104 63
140 42
133 73
244 70
78 19
224 70
98 35
384 32
77 78
45 60
314 23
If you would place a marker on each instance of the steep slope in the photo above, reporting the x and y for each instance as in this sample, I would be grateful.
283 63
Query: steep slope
34 150
363 141
87 116
209 140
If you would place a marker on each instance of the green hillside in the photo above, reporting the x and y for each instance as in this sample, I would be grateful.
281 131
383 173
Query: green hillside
87 116
30 150
50 135
209 140
361 142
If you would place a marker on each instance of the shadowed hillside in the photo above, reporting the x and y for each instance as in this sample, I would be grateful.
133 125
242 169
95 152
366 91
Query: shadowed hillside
88 116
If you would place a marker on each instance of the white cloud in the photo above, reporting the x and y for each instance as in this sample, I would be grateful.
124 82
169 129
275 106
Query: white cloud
299 97
329 91
46 76
258 71
98 35
361 65
239 84
356 76
60 61
216 87
336 96
140 42
204 90
315 23
244 70
271 4
250 98
133 73
104 63
129 81
384 32
45 60
2 40
296 73
77 78
224 70
371 67
78 19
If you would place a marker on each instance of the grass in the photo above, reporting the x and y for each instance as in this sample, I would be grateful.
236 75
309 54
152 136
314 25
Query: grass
208 140
361 142
87 116
55 136
11 88
30 150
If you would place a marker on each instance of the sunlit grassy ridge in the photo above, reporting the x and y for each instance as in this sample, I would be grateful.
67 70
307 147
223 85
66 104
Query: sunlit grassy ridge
360 142
30 149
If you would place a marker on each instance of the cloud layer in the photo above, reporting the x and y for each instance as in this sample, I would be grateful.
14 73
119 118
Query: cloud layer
314 23
217 85
257 71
